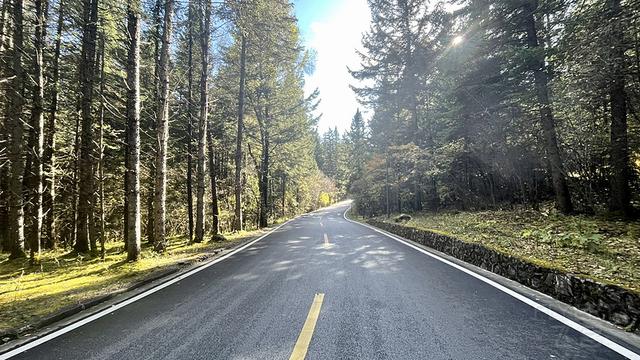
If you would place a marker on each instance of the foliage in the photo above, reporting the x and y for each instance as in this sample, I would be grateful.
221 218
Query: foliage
276 65
597 247
61 279
457 98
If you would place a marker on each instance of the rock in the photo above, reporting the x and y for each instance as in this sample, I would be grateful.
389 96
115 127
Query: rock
402 218
218 237
621 319
563 285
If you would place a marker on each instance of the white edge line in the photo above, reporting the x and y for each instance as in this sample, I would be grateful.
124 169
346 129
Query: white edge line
566 321
114 307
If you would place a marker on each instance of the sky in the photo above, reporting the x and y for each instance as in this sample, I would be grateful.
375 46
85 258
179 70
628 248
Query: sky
333 28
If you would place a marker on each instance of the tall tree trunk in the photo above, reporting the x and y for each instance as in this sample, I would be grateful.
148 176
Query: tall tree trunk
263 172
101 150
215 213
15 104
162 126
133 130
238 175
49 195
387 185
4 129
264 186
190 112
74 185
561 189
202 121
86 173
4 24
37 128
125 220
153 126
619 153
284 195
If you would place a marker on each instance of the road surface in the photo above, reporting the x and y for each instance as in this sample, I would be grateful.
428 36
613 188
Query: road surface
380 300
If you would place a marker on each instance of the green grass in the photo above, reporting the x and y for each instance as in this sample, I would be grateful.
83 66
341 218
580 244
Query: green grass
595 247
61 279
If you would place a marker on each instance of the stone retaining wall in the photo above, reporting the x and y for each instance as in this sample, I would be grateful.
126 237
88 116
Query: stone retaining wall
608 302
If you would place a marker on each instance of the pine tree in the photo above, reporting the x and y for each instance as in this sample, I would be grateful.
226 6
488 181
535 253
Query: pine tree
162 126
85 225
14 108
133 131
619 153
201 171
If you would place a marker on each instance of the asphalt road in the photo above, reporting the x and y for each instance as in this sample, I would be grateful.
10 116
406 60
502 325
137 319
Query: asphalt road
382 300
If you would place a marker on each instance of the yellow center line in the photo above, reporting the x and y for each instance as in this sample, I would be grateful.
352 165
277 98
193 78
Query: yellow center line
302 345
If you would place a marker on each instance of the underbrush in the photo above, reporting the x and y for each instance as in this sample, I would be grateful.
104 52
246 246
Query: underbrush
62 279
600 248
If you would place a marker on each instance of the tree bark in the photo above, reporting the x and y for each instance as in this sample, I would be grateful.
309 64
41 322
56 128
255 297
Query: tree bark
74 186
215 213
86 173
37 128
238 175
101 150
153 127
15 105
49 195
284 195
4 22
4 129
190 112
202 121
620 200
561 189
162 126
263 171
133 131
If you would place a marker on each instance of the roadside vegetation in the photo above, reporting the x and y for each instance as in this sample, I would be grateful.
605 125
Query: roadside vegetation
603 249
125 128
63 279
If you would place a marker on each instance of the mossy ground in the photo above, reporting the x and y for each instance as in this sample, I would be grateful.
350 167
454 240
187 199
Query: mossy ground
61 279
599 248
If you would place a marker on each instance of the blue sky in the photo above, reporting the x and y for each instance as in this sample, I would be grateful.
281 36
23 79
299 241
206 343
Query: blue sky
333 28
308 11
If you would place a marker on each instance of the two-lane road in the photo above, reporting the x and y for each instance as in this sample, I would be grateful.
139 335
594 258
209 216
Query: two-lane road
382 300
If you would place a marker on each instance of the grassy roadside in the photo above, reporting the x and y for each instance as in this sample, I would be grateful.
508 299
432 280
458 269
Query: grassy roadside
29 293
602 249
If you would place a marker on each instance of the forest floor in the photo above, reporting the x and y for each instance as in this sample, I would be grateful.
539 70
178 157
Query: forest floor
602 249
62 279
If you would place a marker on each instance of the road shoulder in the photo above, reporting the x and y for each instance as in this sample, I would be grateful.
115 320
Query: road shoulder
597 325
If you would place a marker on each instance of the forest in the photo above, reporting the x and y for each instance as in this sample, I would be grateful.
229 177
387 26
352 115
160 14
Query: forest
505 104
140 121
144 138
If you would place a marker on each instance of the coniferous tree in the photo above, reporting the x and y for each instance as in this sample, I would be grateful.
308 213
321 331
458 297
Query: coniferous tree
49 161
162 126
85 223
619 153
205 37
14 112
238 173
133 131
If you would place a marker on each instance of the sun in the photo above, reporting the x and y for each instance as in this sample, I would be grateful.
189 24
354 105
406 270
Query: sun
457 40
